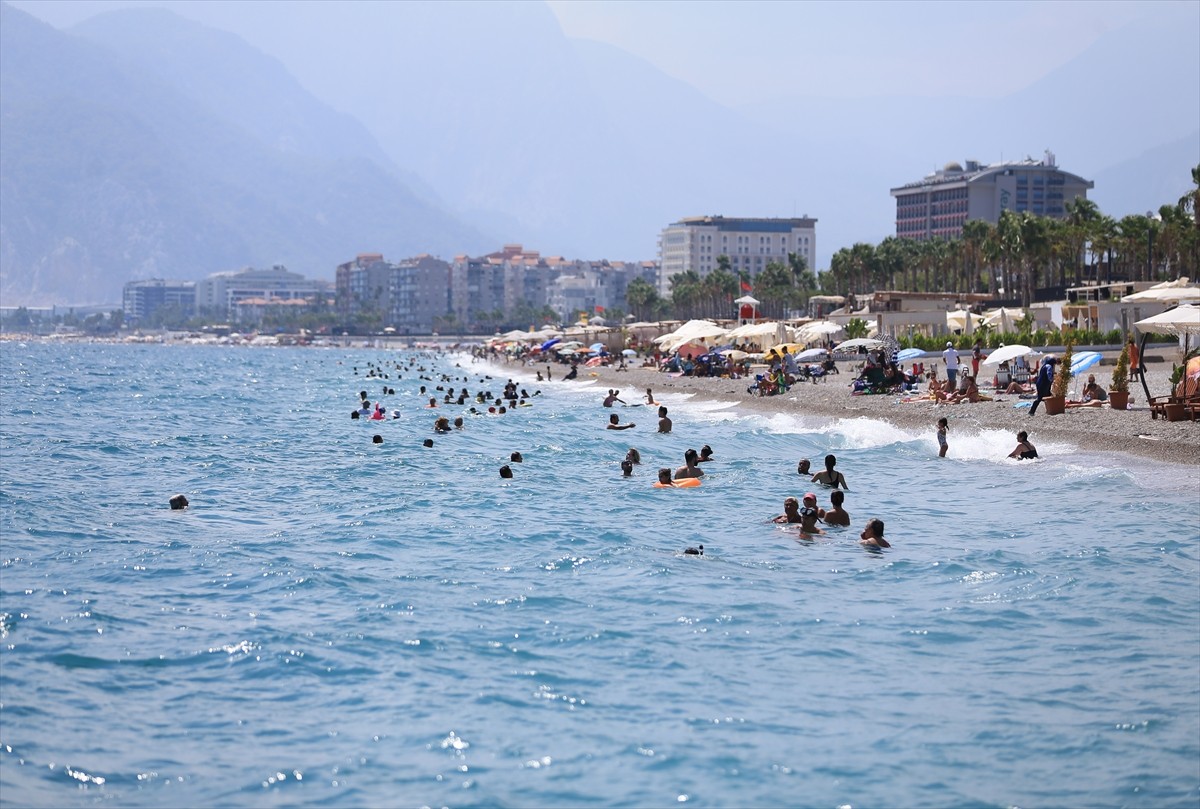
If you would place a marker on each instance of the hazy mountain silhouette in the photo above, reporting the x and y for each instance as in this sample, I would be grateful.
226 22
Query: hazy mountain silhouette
180 152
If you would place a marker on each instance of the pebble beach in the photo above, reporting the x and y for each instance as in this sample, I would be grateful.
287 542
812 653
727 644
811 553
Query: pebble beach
1093 429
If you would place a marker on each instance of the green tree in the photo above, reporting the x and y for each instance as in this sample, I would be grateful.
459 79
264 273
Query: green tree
641 297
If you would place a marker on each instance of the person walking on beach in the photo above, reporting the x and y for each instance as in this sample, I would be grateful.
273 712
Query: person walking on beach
1044 382
1135 361
830 476
942 427
976 358
950 356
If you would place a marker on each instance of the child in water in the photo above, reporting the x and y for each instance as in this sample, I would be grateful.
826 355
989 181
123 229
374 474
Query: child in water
942 427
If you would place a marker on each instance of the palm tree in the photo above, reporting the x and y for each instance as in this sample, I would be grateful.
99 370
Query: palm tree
720 288
1082 215
641 297
685 293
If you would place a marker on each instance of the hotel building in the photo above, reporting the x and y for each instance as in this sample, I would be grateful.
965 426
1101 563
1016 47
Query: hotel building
695 243
937 206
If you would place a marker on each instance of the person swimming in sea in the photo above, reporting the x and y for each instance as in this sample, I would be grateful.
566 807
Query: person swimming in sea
614 423
872 535
836 515
689 468
804 468
1024 450
830 476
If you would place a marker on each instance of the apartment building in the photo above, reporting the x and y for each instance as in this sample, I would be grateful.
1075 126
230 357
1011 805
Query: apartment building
141 299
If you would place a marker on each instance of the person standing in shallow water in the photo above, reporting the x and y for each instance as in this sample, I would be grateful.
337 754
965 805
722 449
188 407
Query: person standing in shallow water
942 427
830 476
872 535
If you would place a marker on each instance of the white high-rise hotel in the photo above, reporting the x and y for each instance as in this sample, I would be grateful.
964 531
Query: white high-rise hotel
695 242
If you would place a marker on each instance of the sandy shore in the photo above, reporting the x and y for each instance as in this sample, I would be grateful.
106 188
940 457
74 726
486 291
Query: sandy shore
1090 429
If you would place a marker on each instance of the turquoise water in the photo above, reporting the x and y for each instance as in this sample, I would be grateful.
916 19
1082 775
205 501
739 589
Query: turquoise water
340 623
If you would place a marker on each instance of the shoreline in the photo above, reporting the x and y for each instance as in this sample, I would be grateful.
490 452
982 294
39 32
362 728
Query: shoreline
1130 432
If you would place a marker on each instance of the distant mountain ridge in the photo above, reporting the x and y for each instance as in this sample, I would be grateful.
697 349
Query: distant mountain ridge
111 171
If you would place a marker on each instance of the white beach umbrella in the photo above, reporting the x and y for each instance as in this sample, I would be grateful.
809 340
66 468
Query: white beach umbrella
859 342
747 300
1165 295
1180 320
1006 353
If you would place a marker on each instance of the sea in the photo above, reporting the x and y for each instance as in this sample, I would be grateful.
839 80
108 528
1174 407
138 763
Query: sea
338 622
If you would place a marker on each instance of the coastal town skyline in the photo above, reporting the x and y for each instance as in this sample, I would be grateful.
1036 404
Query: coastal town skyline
474 155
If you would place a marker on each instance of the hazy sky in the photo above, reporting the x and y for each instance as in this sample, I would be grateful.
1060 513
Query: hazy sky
754 50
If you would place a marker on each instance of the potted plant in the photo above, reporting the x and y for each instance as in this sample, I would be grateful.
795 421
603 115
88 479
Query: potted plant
1056 402
1118 391
1174 409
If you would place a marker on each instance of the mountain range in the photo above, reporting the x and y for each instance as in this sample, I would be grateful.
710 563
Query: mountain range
179 153
140 143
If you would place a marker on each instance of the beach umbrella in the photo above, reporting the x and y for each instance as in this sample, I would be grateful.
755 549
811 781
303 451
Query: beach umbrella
596 346
736 355
859 342
906 354
1006 353
811 354
692 350
1168 292
792 348
629 352
551 343
747 300
1180 320
1083 360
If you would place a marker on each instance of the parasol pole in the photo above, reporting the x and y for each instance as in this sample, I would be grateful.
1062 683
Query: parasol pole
1142 362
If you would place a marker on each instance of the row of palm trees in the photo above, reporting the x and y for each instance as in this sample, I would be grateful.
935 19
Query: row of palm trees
1024 251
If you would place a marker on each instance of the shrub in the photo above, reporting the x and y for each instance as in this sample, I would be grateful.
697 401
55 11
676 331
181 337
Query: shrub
1120 375
1062 377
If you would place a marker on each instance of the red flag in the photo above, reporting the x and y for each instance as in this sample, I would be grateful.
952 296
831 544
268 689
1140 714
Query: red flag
745 287
599 310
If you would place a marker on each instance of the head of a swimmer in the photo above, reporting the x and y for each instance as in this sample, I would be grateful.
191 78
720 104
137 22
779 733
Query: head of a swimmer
664 475
837 498
706 451
627 468
791 505
690 456
506 471
874 529
804 467
830 462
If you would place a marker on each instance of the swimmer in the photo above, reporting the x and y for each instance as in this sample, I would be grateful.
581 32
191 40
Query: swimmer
836 515
432 401
178 502
626 468
697 551
458 422
804 468
614 423
664 423
633 456
442 425
689 468
428 442
613 396
354 414
872 535
829 476
705 454
506 471
664 478
650 397
516 458
942 427
1024 450
791 511
377 439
